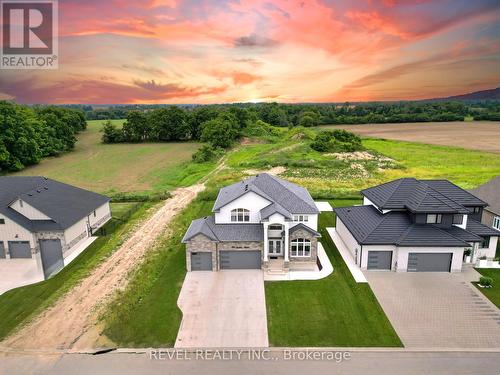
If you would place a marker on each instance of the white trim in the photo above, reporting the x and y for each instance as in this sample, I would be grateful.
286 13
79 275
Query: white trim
496 222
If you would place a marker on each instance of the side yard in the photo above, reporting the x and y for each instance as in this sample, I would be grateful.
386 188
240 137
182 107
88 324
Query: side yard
493 294
19 306
335 311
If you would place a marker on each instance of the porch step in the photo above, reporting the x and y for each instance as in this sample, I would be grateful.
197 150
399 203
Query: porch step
276 272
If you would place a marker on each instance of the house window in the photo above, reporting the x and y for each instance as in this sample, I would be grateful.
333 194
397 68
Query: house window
301 218
496 222
2 221
301 247
434 218
458 219
240 215
476 210
20 203
275 227
95 214
486 242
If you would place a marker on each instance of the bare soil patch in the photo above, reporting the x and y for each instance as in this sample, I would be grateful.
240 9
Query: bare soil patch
72 322
480 135
273 171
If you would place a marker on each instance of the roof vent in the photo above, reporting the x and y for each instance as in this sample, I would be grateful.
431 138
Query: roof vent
46 188
45 178
38 191
30 194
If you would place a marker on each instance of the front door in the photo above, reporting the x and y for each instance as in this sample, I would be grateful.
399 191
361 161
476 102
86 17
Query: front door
275 247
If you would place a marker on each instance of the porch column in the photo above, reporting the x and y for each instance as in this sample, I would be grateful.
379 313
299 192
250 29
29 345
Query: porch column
266 243
285 245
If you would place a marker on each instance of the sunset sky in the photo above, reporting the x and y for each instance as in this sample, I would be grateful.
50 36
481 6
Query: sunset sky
214 51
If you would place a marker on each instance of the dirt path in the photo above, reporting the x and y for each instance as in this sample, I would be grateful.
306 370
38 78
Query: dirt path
71 322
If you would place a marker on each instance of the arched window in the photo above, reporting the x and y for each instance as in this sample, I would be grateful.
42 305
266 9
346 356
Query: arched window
240 215
301 247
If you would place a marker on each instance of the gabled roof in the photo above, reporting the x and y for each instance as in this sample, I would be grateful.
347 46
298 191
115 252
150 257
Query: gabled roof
274 208
440 196
370 227
224 232
291 197
304 227
64 204
490 192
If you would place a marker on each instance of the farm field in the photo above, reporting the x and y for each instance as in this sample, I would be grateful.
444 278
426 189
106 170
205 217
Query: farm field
480 135
111 168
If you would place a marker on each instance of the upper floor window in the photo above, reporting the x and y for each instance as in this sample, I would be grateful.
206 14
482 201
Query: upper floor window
458 219
95 214
301 247
496 222
21 203
275 227
2 221
434 218
240 215
476 210
300 218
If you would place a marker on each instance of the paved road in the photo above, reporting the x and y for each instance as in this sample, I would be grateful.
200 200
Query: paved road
223 309
398 362
438 310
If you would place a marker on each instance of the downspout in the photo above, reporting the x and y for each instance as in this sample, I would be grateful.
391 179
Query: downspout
361 256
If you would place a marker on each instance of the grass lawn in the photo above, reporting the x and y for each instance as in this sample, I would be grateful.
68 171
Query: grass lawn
335 311
493 293
112 168
18 306
146 313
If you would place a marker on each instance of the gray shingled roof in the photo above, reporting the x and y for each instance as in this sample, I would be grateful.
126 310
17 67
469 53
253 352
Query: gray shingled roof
480 229
291 197
370 227
440 196
273 208
490 192
64 204
224 232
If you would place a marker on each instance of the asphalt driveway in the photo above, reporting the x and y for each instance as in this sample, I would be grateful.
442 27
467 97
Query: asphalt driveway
437 310
225 309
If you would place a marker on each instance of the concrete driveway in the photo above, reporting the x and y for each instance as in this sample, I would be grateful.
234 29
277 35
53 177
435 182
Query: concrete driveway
437 310
18 272
225 309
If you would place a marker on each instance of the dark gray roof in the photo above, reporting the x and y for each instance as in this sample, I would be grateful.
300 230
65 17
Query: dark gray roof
440 196
480 229
224 232
370 227
306 228
291 197
64 204
490 193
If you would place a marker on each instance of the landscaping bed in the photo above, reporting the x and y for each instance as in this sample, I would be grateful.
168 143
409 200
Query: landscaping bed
493 293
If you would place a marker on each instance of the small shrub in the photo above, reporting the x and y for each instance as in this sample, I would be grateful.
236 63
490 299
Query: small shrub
207 153
486 281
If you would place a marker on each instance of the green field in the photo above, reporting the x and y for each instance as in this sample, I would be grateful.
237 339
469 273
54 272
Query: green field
18 306
124 168
334 311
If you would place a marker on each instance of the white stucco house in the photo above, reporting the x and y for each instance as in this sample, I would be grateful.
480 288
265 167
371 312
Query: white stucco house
263 222
43 223
416 226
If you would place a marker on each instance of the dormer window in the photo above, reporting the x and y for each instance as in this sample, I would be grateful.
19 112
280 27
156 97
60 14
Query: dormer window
458 219
476 210
434 218
240 215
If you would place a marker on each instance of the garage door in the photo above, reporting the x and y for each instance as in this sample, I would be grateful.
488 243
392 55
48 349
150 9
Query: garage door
201 261
232 260
2 250
379 260
52 256
19 249
429 262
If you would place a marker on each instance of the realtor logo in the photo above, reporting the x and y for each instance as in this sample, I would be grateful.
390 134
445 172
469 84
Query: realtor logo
29 34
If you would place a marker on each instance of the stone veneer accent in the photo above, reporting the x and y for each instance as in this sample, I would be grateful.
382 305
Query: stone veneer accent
50 236
200 243
301 233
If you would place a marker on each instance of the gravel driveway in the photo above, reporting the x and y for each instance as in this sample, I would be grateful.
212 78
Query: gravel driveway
225 309
437 310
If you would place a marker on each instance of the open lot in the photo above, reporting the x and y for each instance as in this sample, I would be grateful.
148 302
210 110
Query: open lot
481 135
110 168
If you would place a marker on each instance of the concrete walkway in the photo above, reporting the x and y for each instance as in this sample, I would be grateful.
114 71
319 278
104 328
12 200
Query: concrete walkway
437 310
224 309
324 206
356 272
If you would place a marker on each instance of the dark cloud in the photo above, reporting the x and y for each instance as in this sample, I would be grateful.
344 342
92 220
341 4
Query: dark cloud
254 40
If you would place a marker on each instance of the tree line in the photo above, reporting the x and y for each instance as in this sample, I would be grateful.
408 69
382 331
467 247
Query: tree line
28 134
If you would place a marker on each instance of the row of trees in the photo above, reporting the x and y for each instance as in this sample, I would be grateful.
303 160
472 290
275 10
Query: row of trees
29 134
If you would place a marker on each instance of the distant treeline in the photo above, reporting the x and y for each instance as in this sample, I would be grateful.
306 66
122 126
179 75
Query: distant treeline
322 114
28 134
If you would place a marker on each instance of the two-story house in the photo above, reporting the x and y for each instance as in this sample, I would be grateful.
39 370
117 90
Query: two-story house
261 222
416 225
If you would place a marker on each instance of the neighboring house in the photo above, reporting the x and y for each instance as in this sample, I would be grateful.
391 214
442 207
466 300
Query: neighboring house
490 192
416 225
261 222
43 222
